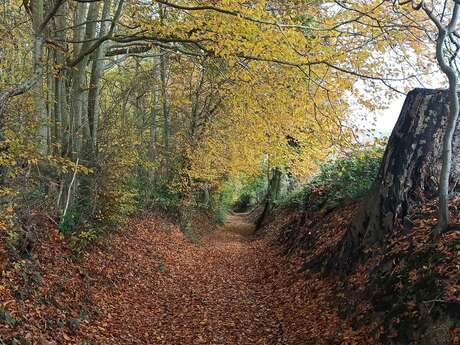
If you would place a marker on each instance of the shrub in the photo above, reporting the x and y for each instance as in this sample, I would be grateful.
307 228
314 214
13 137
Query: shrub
69 222
78 243
294 198
221 203
164 197
345 178
252 192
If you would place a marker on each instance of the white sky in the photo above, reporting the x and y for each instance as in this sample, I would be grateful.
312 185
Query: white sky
386 119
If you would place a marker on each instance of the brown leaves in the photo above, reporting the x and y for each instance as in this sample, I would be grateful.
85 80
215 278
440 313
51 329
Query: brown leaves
145 285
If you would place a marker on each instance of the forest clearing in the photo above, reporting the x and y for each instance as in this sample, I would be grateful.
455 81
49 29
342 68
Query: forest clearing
278 172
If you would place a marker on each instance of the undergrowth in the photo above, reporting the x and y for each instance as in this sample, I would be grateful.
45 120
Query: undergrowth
252 193
343 179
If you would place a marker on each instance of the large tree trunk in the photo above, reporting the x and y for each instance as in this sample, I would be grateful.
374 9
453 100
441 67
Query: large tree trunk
409 172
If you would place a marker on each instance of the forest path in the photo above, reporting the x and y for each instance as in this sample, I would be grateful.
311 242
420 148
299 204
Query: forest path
228 289
239 223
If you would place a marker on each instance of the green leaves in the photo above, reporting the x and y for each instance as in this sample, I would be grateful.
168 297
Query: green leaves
69 222
346 178
7 318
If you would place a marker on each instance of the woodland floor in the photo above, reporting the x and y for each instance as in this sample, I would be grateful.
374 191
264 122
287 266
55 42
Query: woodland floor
226 289
149 284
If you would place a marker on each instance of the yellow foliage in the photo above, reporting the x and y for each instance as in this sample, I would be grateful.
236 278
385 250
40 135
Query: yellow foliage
285 76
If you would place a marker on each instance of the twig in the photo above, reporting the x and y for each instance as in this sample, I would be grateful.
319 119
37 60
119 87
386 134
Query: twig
70 187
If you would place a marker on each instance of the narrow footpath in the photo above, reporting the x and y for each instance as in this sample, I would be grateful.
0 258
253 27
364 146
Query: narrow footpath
151 285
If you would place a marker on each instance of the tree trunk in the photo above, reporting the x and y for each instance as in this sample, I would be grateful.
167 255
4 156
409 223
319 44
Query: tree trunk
195 100
409 172
165 106
153 126
61 104
96 75
37 59
76 79
274 186
447 149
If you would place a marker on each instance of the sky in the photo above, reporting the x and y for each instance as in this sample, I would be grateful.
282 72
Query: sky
386 119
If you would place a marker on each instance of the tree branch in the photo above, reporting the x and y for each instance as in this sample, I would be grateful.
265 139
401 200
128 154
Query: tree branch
229 12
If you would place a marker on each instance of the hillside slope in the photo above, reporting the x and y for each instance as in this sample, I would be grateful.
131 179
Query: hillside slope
404 291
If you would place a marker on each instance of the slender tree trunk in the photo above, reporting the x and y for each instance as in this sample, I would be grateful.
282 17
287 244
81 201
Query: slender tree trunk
140 109
58 109
124 109
50 98
452 118
154 128
165 106
96 75
37 59
153 125
273 189
76 78
62 116
447 156
90 35
195 103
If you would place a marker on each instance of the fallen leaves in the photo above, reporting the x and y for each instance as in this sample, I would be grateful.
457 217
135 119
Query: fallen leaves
147 285
409 285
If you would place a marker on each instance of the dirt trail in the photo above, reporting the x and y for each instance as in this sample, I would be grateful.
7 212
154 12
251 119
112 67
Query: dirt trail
239 223
228 289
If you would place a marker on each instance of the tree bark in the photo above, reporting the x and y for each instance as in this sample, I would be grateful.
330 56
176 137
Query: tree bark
408 174
274 186
165 106
61 107
153 125
195 100
96 75
38 14
452 76
76 78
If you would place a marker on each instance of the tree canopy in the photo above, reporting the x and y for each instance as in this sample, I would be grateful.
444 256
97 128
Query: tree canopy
187 94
